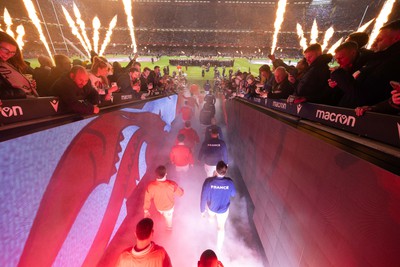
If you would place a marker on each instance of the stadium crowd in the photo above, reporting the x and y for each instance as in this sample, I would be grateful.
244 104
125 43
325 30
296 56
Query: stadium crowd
364 80
81 87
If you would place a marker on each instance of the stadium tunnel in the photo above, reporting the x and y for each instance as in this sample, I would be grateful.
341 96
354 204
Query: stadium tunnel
72 193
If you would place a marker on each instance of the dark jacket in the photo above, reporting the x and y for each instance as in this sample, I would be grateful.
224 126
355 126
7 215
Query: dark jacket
212 151
345 86
125 85
41 76
73 98
313 85
372 85
281 90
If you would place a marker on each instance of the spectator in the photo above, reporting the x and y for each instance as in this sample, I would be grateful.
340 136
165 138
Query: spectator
13 84
313 85
281 88
73 87
63 66
145 84
117 70
364 55
342 80
155 77
145 252
162 192
372 84
129 83
209 259
211 152
266 78
191 136
42 73
98 78
181 156
216 196
251 87
298 73
210 129
391 106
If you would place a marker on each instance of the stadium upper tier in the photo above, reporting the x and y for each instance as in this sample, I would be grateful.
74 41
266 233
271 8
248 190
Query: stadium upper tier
194 23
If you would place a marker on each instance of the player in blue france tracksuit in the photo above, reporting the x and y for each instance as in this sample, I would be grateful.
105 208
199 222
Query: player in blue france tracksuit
212 151
216 197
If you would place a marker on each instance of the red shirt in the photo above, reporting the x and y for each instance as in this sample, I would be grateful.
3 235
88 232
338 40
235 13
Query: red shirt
186 113
181 155
191 137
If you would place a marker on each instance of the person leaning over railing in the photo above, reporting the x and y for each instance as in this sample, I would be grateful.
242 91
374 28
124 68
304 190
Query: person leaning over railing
76 92
129 83
372 83
281 87
13 83
391 106
313 85
98 78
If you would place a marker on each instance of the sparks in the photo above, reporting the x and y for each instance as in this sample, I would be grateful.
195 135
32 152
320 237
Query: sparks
96 27
381 20
327 37
314 33
278 23
30 8
107 39
300 34
81 25
129 18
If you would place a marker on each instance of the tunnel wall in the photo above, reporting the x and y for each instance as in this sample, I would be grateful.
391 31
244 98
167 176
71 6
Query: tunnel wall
315 204
65 191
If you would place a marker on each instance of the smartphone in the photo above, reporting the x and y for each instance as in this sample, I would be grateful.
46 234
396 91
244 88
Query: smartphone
395 85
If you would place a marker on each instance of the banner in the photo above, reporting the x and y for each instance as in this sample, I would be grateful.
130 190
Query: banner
381 127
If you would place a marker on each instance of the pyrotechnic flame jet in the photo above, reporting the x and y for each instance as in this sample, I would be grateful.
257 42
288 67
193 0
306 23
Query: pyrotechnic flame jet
8 21
30 8
81 24
365 26
278 23
334 46
380 20
129 18
314 33
107 40
300 33
20 29
21 32
75 29
96 27
327 37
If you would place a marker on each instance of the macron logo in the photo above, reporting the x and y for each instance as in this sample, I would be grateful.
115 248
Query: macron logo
299 107
54 104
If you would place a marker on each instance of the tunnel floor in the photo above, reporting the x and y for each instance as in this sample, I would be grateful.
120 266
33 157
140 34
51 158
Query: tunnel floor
192 234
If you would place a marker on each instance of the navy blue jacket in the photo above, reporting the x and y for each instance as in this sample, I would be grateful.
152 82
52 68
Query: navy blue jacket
212 151
217 193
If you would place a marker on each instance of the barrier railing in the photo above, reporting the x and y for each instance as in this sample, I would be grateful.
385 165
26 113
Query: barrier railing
380 127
